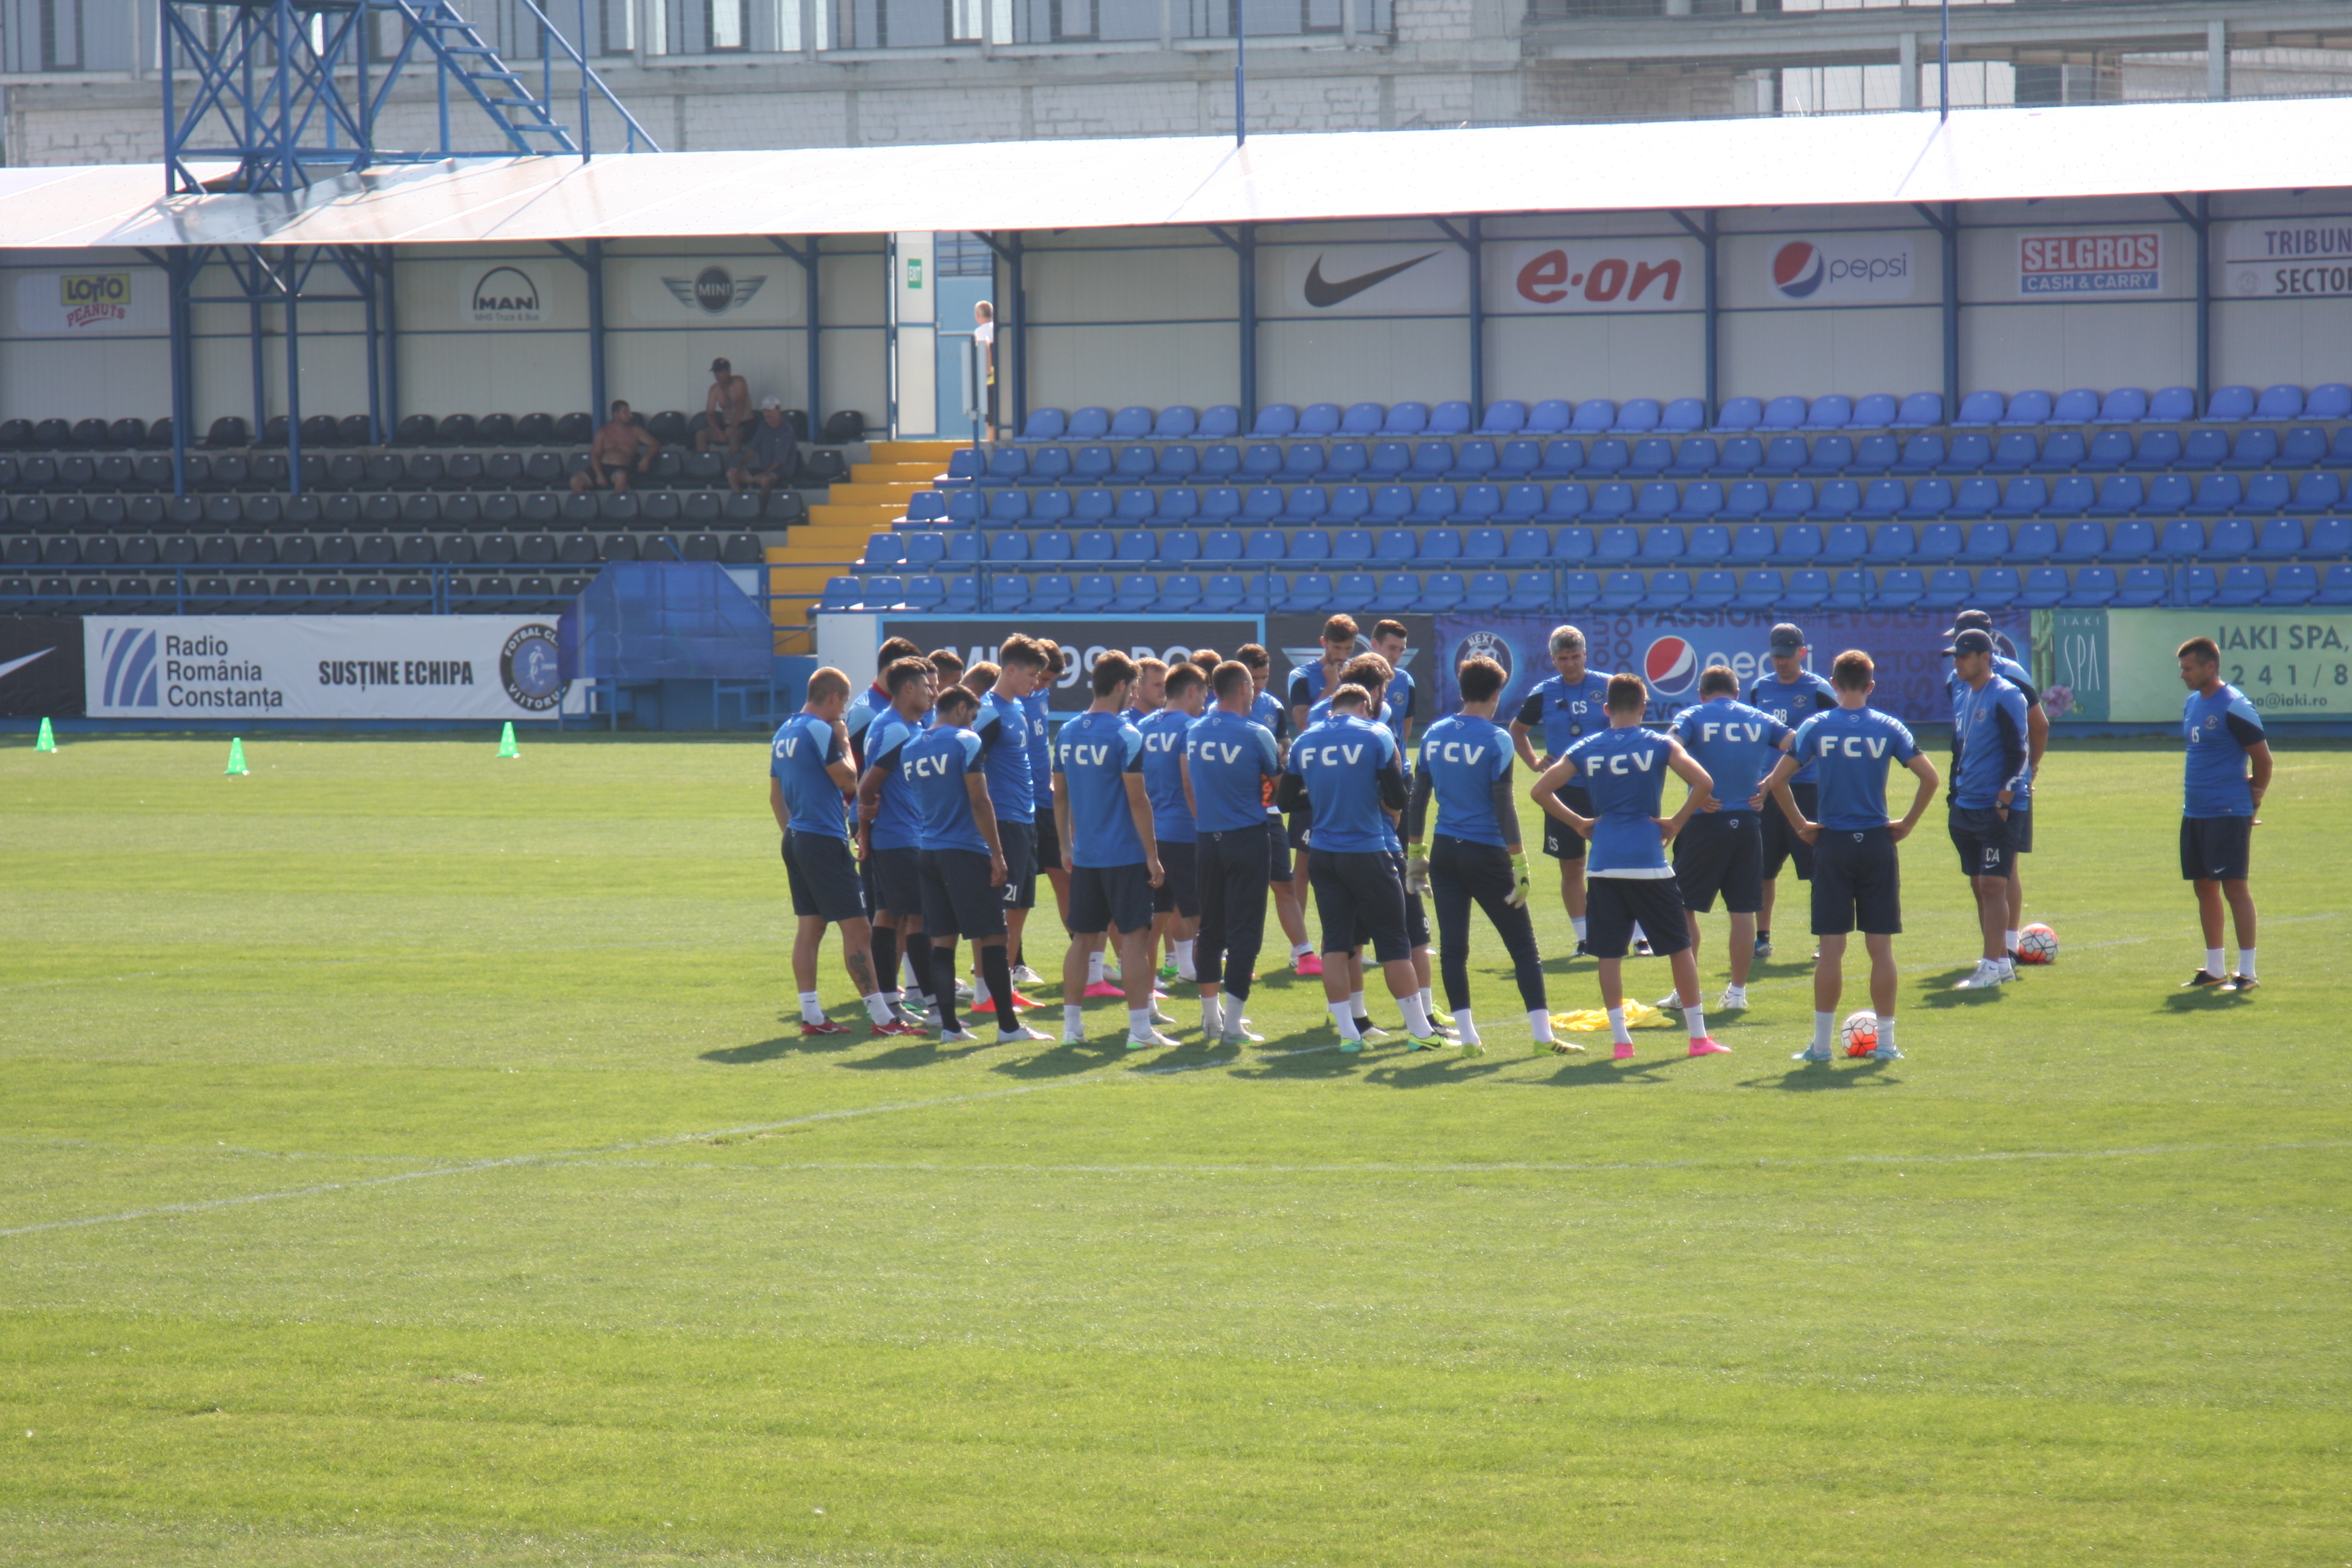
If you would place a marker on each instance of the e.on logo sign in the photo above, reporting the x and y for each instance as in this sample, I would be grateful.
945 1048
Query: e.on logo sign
1597 276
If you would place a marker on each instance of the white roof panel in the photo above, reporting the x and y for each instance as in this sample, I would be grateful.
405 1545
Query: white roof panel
1978 155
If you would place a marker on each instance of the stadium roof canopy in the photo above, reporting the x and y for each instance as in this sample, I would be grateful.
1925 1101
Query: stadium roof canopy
1978 155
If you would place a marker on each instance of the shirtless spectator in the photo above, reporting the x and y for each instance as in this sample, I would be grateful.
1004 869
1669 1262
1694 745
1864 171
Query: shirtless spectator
621 448
726 411
767 456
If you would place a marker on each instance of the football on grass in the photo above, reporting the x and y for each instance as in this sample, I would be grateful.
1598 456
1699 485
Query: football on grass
2037 944
1861 1033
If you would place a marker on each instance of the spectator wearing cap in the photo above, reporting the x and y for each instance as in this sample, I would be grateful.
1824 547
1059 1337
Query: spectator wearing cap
725 410
767 453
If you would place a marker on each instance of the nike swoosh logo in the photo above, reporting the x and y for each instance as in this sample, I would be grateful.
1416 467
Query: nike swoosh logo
14 665
1323 293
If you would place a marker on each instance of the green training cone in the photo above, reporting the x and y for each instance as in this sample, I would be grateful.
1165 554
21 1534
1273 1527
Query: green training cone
48 741
507 747
236 768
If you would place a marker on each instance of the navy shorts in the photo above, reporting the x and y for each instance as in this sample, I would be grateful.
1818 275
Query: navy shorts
1857 883
1562 842
1102 897
824 876
1984 840
1721 852
1020 841
1048 842
1178 893
1780 841
2216 848
1361 900
897 881
2021 829
1279 854
1613 906
958 898
1416 909
1300 820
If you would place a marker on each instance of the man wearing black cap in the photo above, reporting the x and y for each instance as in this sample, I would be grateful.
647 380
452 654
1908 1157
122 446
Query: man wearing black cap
1791 694
1988 767
2037 737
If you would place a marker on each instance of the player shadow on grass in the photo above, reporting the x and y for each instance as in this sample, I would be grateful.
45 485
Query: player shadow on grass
1423 1070
915 1054
2205 999
1062 1060
1308 1064
1939 990
1807 1078
784 1045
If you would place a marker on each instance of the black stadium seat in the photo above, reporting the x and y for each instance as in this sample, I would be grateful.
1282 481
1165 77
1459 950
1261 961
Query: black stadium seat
16 435
743 549
117 471
274 432
69 512
353 430
495 430
416 550
543 468
420 511
127 433
460 510
339 512
338 550
461 471
574 430
495 550
300 550
456 430
265 471
90 433
659 506
576 550
322 430
542 506
457 550
159 434
503 469
617 547
300 513
378 549
536 430
257 549
227 471
229 430
503 511
153 470
414 430
51 435
669 427
263 511
380 510
536 550
108 512
421 471
346 472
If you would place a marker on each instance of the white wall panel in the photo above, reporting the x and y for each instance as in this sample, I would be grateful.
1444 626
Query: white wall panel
1362 361
106 378
2260 343
1072 367
1188 283
659 370
2011 348
1618 357
1767 354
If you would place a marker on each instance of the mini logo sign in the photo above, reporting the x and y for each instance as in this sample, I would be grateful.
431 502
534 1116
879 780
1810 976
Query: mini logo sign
2090 264
714 289
503 296
94 297
531 669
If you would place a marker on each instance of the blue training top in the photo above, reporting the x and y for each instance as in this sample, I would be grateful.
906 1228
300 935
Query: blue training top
1790 703
1163 774
1738 745
2218 731
1092 756
935 764
1339 761
898 820
1853 747
2009 669
1003 725
1624 771
1236 762
1988 744
803 747
1566 712
1463 755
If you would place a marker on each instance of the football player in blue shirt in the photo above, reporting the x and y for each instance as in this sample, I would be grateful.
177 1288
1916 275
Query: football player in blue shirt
1627 879
1004 727
1232 762
1790 693
1989 773
1388 640
1476 854
1564 709
810 777
962 861
2037 739
2223 734
1176 903
1050 858
1371 673
864 708
1857 876
889 826
1289 908
1349 770
1105 823
1722 851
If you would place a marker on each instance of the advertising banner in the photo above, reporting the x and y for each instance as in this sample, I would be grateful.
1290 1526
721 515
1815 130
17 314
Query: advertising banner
321 666
1168 638
1584 277
101 303
1669 651
2098 264
2290 664
1366 279
41 667
1778 272
2283 258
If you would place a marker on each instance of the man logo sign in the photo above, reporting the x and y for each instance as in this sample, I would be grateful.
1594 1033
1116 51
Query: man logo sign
504 296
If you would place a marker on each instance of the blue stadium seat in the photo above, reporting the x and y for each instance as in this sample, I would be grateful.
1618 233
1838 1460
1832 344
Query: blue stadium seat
2330 538
1351 544
1304 504
1398 594
1135 507
1785 455
1980 408
1131 595
1970 450
1178 546
1393 503
1221 504
1666 592
1948 587
1784 413
2183 537
1175 422
2064 451
1481 544
1440 593
2120 495
1308 545
1516 460
1369 419
2075 405
2196 584
1136 546
1095 544
1683 414
1091 466
1573 543
1649 458
1486 591
1839 500
1349 503
1260 463
1354 587
2231 404
1747 500
1833 455
1885 499
1048 509
1739 415
2245 584
1090 424
1350 461
2292 585
1855 588
2072 495
1996 588
1006 466
1404 419
1620 592
2233 538
1807 590
1308 591
2279 403
1611 501
1050 593
1594 416
1893 543
2168 495
1566 503
2046 588
2339 452
1607 458
965 544
2335 587
926 549
1972 498
1320 419
1901 589
2131 540
1552 417
1530 592
1008 546
1800 545
1561 459
2017 452
1710 590
2030 407
1390 460
2255 448
1655 499
1179 594
883 593
1044 425
1636 415
1007 591
927 506
1618 542
1876 412
1831 411
2171 405
1921 409
1477 503
1219 464
1132 424
1181 504
964 467
2035 541
1051 465
1221 423
927 592
1529 543
1843 543
1522 502
2204 448
1262 503
1986 542
1476 461
1431 460
1742 454
1938 541
1274 420
2023 496
1665 542
1450 419
1709 541
1301 461
2093 587
1694 455
1395 544
1222 593
2216 494
1922 454
2305 447
1759 589
2280 538
2124 405
2332 400
882 551
1505 417
840 593
2268 495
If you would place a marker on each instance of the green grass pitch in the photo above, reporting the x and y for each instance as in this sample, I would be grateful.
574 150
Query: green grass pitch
410 1157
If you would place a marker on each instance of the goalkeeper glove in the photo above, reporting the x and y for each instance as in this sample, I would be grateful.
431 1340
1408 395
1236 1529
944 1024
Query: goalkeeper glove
1416 872
1519 898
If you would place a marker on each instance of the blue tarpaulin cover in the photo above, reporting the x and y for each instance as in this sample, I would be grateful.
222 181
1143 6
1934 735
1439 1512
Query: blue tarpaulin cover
679 620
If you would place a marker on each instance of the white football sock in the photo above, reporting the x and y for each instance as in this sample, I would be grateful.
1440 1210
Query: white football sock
1466 1028
1617 1030
1356 1000
1139 1020
812 1010
1094 968
979 998
1695 1016
877 1007
1416 1018
1183 953
1540 1022
1428 1001
2246 962
1212 1017
2213 962
1343 1018
1824 1030
906 981
1302 951
2008 942
1073 1019
1886 1032
1579 922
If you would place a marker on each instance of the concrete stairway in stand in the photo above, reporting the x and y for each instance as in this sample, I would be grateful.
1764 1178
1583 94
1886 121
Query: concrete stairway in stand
833 540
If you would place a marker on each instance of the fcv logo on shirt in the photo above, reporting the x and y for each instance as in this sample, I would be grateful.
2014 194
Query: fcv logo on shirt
1623 765
1330 756
932 767
1217 751
1852 746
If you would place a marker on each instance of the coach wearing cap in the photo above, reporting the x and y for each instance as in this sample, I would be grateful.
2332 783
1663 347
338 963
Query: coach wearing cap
768 452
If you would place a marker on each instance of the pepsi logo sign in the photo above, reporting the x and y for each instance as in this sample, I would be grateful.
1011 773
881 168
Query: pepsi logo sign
1797 269
1829 271
1671 666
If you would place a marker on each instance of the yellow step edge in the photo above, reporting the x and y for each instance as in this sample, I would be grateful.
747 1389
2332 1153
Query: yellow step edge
919 475
825 514
912 451
870 495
